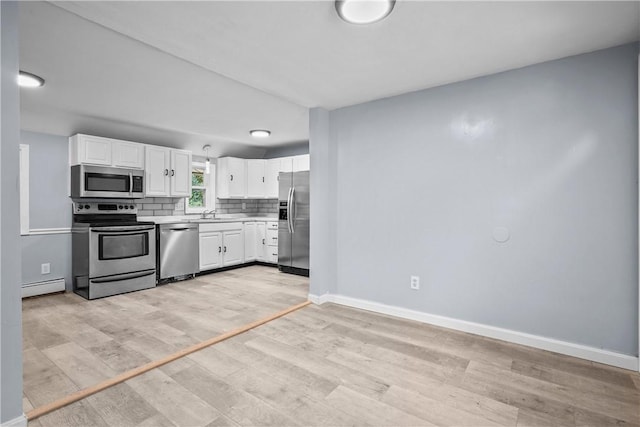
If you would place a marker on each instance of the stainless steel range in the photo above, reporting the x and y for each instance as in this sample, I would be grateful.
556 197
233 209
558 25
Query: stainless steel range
113 253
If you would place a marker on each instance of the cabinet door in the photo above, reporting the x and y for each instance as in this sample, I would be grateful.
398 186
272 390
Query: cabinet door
271 178
127 154
180 173
301 163
94 150
157 164
249 241
255 178
286 164
210 250
261 241
231 178
233 247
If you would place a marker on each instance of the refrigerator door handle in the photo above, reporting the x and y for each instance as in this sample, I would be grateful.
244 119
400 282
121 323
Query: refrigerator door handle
293 210
289 211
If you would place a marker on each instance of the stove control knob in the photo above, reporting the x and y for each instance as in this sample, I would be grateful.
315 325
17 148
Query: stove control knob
126 207
86 206
120 207
131 206
80 207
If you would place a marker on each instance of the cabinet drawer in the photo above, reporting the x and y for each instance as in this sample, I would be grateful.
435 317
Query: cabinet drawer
272 238
272 225
272 256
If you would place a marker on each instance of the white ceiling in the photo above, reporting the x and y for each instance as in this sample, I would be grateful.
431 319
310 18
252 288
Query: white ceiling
180 73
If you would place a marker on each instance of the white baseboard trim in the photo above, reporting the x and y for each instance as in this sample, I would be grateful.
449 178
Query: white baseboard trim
20 421
570 349
41 288
320 299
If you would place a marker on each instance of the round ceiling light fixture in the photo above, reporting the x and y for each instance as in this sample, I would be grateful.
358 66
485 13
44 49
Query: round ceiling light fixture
364 11
29 80
260 133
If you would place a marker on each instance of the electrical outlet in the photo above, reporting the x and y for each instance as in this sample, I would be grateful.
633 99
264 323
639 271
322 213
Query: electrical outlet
45 268
415 282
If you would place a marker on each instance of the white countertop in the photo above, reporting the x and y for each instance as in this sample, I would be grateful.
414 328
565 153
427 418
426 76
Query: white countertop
197 219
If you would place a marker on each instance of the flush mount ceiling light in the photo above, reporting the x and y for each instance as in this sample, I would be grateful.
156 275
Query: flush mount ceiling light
29 80
364 11
260 133
207 164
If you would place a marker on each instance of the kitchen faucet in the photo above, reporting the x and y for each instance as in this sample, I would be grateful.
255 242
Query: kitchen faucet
207 212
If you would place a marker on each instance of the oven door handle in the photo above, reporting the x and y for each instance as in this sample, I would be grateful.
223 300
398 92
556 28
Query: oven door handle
121 229
122 277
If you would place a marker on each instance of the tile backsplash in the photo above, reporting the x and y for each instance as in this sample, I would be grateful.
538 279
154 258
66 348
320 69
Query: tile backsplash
167 206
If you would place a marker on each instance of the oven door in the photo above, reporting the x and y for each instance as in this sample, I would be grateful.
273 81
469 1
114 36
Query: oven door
121 249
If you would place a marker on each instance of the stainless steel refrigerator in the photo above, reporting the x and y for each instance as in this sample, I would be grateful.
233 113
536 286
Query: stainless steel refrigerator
293 224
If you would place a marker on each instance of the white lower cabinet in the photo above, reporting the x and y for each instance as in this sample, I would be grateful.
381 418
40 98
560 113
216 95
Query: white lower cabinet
232 243
261 241
221 245
250 245
271 254
210 250
232 247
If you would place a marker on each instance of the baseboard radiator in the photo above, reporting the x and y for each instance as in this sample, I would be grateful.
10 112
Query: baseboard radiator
41 288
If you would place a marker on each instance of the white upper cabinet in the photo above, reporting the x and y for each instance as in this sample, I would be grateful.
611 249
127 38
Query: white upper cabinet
231 178
158 161
127 154
168 172
256 178
87 149
286 164
295 163
273 169
301 163
180 174
96 150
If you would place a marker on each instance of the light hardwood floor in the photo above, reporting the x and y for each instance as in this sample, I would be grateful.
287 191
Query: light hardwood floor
322 365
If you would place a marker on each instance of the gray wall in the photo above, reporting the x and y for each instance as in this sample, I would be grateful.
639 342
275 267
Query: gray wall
428 182
49 207
10 306
49 203
323 250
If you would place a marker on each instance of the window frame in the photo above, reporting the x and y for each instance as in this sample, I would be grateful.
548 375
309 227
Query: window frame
209 189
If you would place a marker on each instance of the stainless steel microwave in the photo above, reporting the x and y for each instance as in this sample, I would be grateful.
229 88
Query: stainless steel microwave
106 182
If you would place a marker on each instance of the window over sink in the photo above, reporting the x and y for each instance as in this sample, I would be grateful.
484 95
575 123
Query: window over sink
203 196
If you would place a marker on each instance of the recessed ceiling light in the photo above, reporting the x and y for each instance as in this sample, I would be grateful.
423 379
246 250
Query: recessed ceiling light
29 80
260 133
364 11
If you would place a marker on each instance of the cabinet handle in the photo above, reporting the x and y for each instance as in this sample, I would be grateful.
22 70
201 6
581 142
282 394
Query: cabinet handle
173 172
278 178
225 249
231 177
166 172
274 254
263 179
263 241
219 249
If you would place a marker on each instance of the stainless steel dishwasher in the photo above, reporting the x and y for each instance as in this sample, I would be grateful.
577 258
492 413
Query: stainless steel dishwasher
178 254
